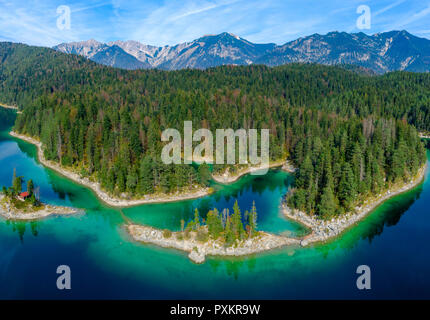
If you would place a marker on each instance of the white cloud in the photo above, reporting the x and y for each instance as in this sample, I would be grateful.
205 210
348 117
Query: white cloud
174 21
409 18
391 6
36 24
94 6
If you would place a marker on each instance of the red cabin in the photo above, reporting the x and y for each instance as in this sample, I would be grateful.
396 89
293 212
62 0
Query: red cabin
24 195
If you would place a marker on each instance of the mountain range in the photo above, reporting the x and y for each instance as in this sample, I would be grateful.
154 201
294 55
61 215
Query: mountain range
381 52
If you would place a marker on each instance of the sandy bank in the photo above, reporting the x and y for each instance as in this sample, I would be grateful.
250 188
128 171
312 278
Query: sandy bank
324 230
103 195
199 250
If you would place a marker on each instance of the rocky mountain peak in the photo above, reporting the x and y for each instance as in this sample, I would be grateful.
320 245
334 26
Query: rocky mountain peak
381 52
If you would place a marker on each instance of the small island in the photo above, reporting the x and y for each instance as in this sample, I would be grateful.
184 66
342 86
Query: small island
220 234
16 204
231 235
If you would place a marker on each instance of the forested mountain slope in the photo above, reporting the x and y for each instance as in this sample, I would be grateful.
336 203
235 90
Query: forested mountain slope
348 133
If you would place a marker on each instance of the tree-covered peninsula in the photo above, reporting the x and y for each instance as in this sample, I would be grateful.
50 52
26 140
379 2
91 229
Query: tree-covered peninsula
349 134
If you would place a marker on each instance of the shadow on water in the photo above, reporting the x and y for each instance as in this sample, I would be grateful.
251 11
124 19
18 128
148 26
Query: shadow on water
248 188
7 117
255 184
20 227
233 266
386 215
265 190
107 265
392 213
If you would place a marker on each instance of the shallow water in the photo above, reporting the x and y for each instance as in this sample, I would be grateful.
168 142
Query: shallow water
106 263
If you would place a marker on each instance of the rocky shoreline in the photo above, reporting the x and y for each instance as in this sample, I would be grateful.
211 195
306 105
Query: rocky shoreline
9 213
288 167
197 251
320 230
123 202
323 230
101 194
10 107
226 178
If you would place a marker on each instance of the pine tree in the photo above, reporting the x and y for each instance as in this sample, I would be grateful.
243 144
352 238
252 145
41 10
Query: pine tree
237 224
204 174
347 186
327 205
17 183
196 219
146 181
30 187
14 178
253 219
305 174
214 224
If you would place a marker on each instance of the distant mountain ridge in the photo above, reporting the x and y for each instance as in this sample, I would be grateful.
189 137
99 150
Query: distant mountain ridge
381 52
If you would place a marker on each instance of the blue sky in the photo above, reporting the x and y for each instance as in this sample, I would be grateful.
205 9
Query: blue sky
170 22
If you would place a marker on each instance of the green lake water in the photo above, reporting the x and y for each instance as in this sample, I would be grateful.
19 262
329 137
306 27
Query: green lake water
106 264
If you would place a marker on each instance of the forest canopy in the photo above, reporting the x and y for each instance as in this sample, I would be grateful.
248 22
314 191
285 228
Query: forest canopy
349 134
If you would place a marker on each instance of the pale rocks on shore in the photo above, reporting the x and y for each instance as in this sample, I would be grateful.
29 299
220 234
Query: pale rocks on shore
227 177
324 230
104 196
199 250
10 213
320 231
288 167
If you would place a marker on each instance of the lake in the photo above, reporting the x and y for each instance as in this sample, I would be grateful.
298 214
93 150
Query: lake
106 264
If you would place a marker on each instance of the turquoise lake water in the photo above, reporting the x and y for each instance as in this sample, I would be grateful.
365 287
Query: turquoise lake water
106 264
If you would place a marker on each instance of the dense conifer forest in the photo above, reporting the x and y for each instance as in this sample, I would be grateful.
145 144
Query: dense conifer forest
349 134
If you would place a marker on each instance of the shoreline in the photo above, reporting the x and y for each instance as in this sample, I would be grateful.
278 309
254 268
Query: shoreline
10 107
197 251
322 231
96 188
150 199
227 179
48 210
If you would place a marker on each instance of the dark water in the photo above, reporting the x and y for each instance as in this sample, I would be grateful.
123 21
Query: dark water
105 263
